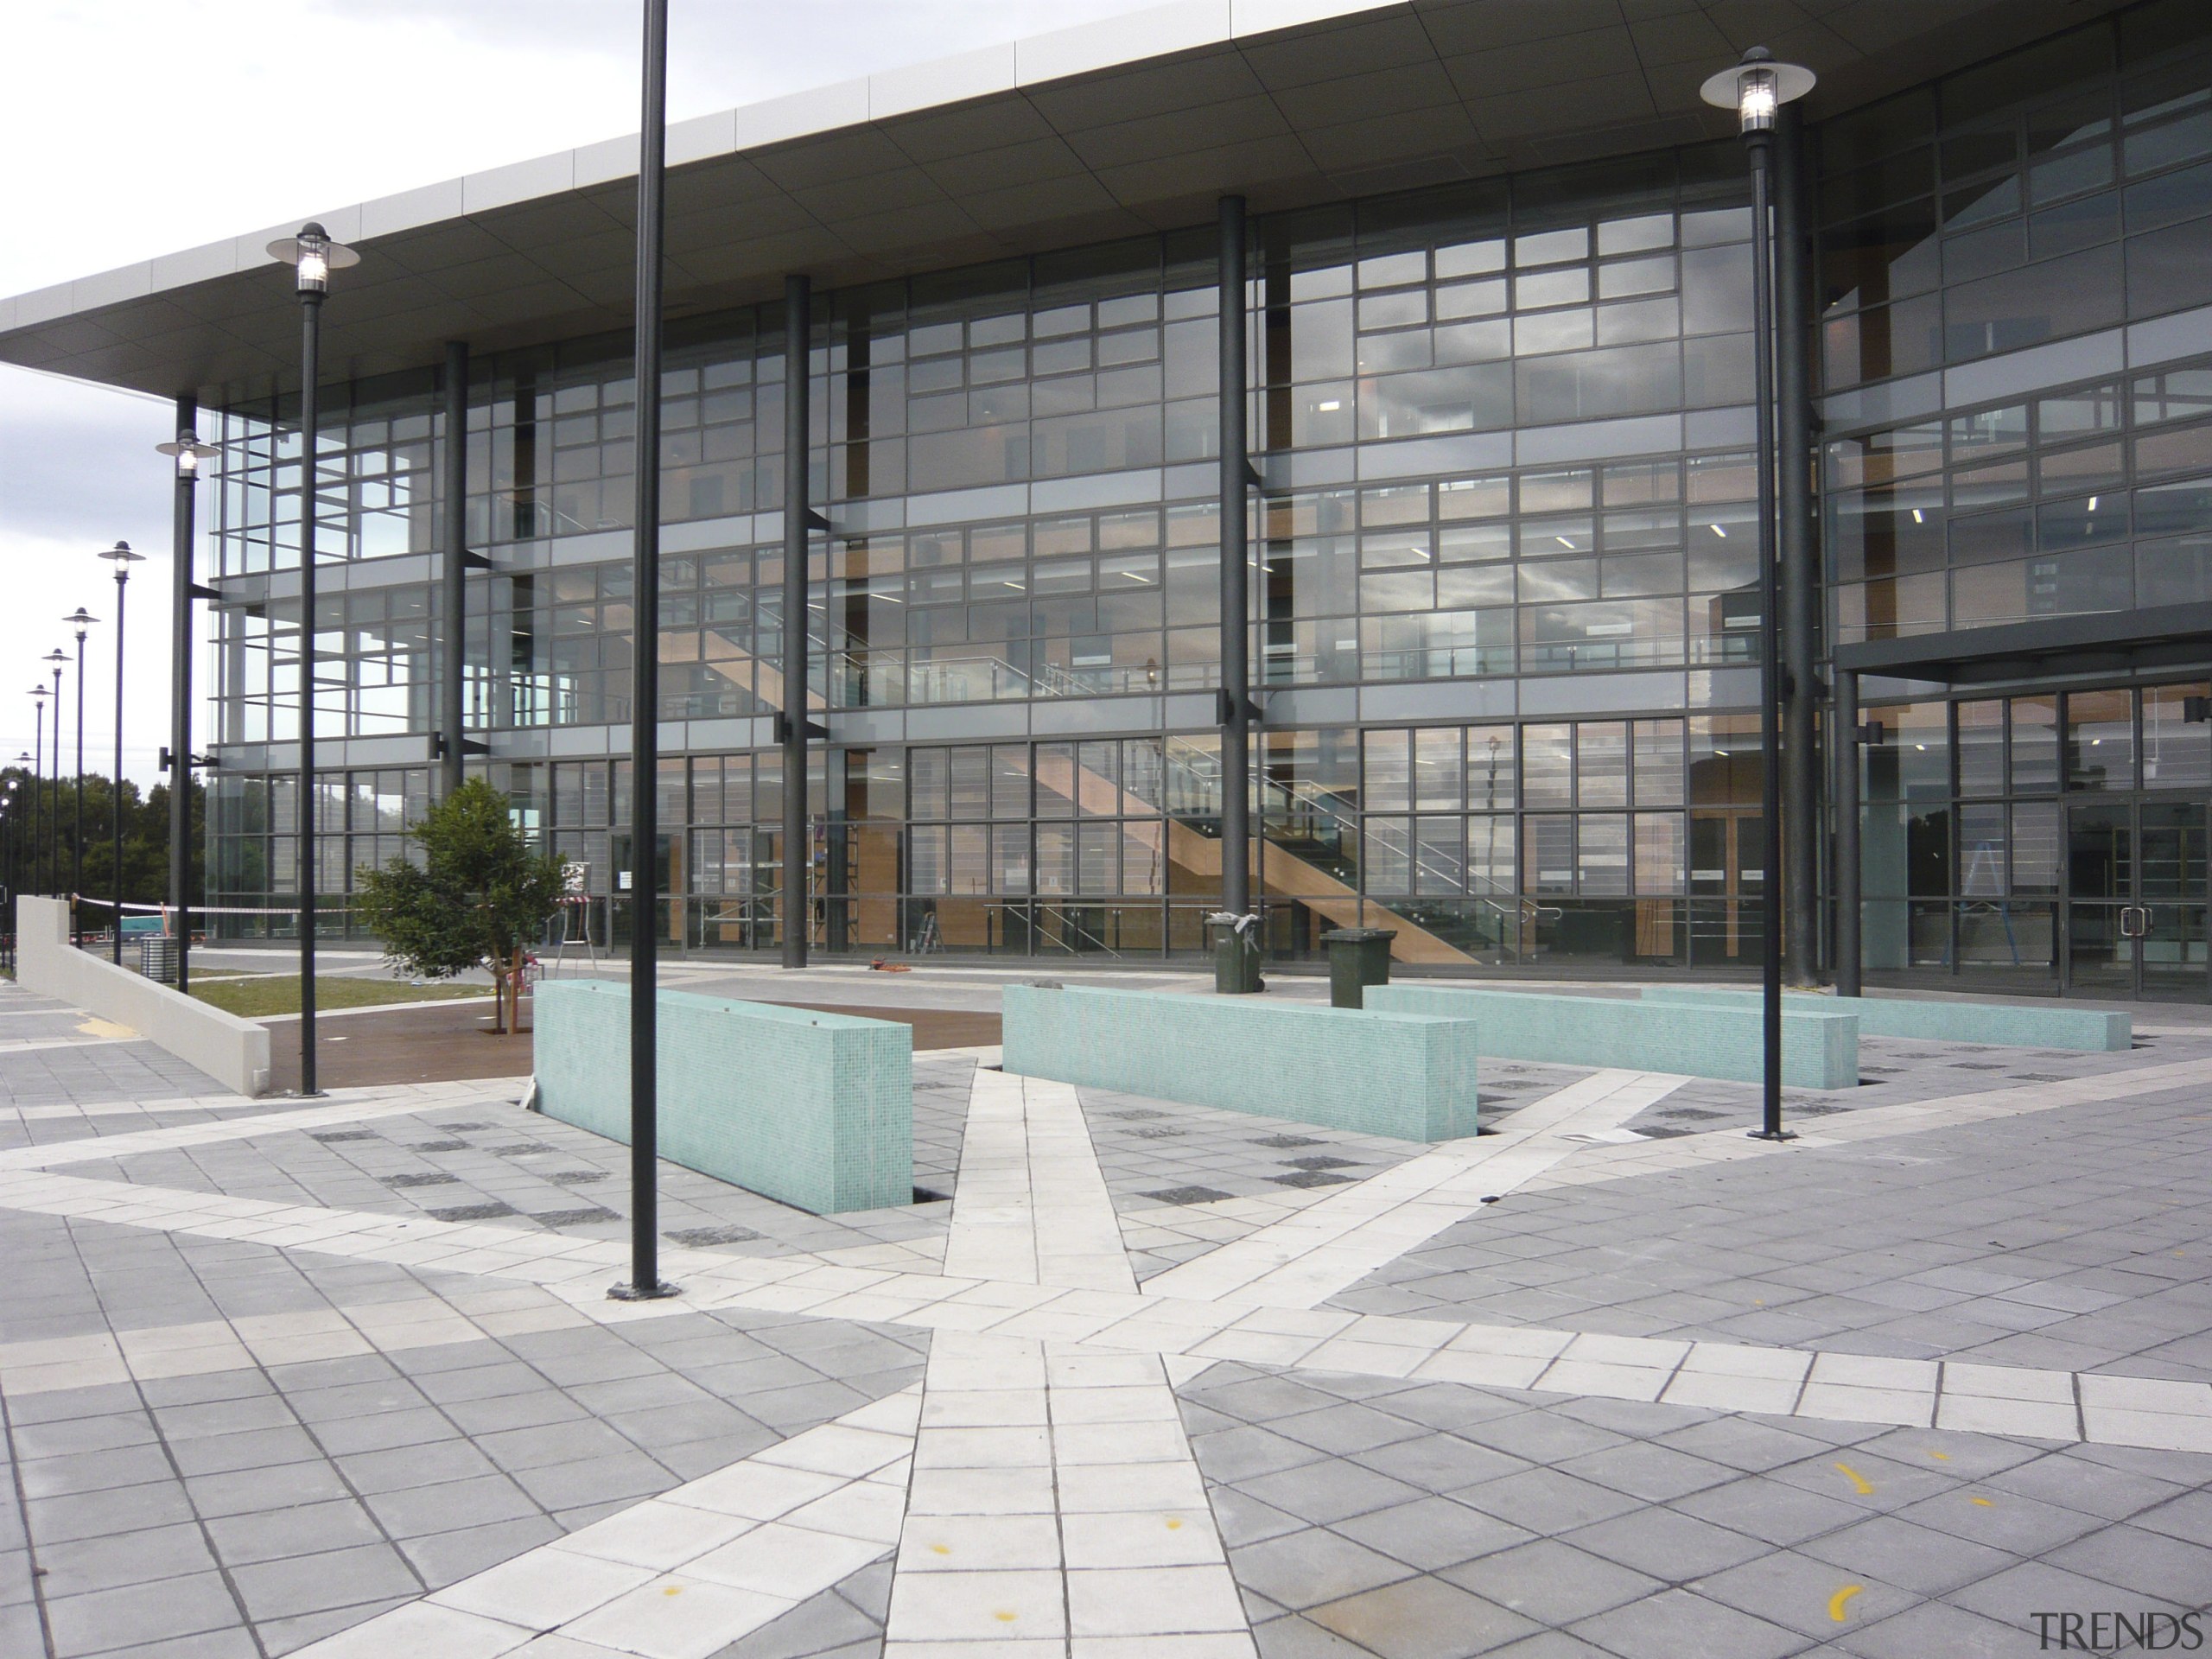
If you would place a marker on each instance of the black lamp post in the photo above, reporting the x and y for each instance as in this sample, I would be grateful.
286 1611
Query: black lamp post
37 763
58 658
123 559
12 843
644 1280
189 452
313 257
80 620
1755 89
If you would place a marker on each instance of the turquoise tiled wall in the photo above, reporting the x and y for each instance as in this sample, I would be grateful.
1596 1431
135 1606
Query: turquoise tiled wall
1410 1076
814 1109
1933 1021
1820 1048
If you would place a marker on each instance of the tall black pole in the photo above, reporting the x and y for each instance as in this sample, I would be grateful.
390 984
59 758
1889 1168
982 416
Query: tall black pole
1761 146
644 1280
798 844
187 414
38 779
1845 747
310 369
54 865
1235 699
114 785
454 574
1800 576
77 846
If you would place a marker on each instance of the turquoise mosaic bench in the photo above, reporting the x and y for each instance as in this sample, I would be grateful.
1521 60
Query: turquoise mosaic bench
813 1109
1408 1076
1819 1048
1935 1021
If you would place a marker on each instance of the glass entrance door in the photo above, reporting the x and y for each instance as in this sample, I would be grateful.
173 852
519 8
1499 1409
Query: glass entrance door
2170 951
2135 912
1726 847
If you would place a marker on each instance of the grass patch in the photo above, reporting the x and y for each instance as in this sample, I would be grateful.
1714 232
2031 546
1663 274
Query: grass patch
255 998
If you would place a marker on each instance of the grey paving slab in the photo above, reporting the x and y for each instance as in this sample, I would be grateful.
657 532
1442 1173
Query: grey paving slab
2065 1240
455 1163
1364 1515
285 1502
1735 1533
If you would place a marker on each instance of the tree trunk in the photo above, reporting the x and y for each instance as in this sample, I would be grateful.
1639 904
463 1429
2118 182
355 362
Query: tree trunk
499 998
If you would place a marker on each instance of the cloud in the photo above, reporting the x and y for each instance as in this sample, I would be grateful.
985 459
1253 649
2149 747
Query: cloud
219 115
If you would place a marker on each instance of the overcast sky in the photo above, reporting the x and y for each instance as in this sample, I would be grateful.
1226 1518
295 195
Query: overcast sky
137 128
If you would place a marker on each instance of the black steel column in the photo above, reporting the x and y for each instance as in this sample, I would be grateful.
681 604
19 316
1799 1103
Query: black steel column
1801 575
114 785
71 892
187 474
644 1280
38 776
1844 745
310 372
1234 713
798 845
1761 146
77 849
454 574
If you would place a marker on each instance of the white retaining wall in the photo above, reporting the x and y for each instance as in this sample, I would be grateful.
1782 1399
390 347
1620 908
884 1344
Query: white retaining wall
233 1052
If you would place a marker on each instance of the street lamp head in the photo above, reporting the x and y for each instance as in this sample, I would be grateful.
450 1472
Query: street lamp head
1756 88
123 559
314 256
80 619
57 657
189 452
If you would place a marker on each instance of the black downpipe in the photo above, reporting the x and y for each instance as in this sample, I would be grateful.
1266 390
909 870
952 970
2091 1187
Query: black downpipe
187 415
645 1281
1800 576
453 572
799 847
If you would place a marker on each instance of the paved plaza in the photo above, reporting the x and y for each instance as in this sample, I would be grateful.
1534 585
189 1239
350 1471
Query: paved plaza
1130 1378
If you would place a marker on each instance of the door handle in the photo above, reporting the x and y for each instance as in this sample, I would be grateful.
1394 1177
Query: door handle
2134 921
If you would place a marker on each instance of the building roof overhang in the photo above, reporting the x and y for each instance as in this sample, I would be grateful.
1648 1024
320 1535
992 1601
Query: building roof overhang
2103 643
1113 128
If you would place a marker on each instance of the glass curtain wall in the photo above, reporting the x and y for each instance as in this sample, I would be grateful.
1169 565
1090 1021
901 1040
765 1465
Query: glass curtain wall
1504 601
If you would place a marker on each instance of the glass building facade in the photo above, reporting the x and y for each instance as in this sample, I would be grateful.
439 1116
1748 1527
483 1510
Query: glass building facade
1504 568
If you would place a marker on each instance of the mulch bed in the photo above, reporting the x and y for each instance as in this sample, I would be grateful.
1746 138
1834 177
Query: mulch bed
454 1040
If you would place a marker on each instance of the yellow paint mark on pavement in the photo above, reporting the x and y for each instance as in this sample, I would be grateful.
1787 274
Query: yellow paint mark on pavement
1858 1481
1941 1457
1981 1503
1838 1601
1004 1615
673 1590
106 1028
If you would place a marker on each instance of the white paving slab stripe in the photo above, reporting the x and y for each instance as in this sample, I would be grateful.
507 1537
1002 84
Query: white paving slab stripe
576 1272
1031 1206
354 1107
1305 1258
1055 1502
683 1574
1624 1162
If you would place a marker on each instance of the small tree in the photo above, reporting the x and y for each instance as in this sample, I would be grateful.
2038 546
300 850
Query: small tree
477 897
